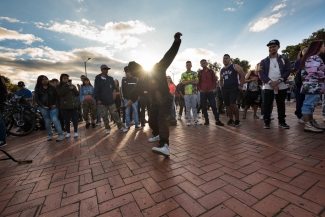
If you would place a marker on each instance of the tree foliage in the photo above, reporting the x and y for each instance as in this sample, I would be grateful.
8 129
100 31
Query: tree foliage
10 86
214 66
242 63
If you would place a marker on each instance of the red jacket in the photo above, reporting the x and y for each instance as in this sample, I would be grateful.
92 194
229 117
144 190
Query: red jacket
207 81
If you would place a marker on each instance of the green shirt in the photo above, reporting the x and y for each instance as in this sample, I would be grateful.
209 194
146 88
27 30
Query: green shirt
188 76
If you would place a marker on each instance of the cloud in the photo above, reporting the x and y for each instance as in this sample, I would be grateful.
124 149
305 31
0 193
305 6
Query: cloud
240 3
81 9
278 7
80 1
11 20
265 22
6 34
87 21
230 9
119 35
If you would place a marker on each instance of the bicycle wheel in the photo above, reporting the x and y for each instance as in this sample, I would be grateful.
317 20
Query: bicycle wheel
20 123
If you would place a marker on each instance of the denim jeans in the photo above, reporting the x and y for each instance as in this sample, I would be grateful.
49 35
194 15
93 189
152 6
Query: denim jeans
210 97
135 113
310 103
300 97
51 115
3 130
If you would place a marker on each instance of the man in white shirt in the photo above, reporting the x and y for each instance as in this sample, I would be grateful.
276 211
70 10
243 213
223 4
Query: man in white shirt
274 71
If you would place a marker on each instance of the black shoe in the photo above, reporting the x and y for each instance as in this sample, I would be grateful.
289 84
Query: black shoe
93 125
267 126
230 122
87 125
219 123
236 123
284 125
143 124
206 123
2 144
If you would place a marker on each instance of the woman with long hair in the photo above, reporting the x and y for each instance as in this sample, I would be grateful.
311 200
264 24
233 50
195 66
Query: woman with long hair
313 83
253 95
46 97
68 103
300 97
88 102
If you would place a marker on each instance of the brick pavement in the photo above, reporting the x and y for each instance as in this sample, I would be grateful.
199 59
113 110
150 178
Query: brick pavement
212 171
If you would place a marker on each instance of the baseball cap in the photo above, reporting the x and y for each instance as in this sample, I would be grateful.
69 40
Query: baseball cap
21 84
104 67
274 41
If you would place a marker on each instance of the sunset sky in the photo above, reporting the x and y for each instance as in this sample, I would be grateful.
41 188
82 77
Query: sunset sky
53 37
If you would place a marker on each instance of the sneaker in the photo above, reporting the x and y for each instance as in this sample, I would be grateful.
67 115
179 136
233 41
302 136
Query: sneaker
230 122
123 130
93 125
164 150
271 117
301 120
310 128
256 117
87 125
154 139
98 124
315 124
197 122
206 122
236 123
138 127
267 126
284 125
3 144
132 123
67 135
219 123
49 138
198 116
188 123
75 135
179 117
261 117
108 131
248 110
241 109
60 138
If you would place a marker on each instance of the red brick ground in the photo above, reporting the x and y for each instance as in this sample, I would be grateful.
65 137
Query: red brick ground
212 171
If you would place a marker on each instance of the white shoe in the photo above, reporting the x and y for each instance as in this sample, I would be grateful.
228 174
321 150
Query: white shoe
75 135
198 116
108 131
241 110
261 117
179 117
154 139
67 135
248 110
60 138
271 117
123 130
301 121
188 123
197 123
161 150
98 124
132 123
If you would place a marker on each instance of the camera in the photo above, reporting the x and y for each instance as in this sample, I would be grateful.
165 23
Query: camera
70 81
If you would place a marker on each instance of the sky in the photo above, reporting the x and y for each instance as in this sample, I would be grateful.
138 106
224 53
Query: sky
49 38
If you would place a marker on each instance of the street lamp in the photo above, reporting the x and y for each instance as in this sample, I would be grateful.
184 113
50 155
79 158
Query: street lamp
85 67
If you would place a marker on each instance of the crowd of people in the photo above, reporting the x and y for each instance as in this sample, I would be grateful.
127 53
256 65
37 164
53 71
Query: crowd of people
61 102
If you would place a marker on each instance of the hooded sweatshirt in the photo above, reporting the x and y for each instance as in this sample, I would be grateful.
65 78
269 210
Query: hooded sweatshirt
104 90
157 77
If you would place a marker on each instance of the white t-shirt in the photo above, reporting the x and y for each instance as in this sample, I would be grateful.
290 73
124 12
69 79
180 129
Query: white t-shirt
274 75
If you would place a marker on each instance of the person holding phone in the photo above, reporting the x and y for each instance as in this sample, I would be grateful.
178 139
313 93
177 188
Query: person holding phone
47 99
68 103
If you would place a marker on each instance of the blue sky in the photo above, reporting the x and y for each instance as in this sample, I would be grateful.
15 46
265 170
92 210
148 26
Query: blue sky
53 37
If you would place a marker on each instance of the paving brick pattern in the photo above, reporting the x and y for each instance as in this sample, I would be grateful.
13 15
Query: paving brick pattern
212 171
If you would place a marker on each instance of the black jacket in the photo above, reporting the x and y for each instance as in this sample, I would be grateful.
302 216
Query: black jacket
42 96
104 90
68 97
128 85
157 77
3 91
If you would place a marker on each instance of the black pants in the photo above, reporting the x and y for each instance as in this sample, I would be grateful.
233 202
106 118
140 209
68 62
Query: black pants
68 115
145 102
280 102
158 118
61 119
181 106
208 96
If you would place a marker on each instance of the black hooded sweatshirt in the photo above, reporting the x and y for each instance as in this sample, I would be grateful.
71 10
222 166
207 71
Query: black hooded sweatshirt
157 77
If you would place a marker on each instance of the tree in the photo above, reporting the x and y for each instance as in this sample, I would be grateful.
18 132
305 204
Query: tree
242 63
10 86
214 66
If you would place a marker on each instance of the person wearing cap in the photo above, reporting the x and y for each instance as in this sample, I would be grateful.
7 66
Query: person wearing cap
161 98
274 71
104 95
24 91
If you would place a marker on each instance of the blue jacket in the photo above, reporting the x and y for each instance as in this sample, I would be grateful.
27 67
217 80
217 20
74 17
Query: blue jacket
104 89
86 91
284 65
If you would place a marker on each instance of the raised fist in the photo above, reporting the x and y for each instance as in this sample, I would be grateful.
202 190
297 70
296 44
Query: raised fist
177 36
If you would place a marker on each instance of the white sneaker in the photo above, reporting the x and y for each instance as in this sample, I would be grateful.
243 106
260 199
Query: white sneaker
67 135
75 135
198 116
241 110
261 117
197 123
188 123
98 124
178 117
161 150
271 117
301 121
60 138
154 139
132 123
123 130
108 131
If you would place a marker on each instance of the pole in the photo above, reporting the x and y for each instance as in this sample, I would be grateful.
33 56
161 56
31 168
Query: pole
85 70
